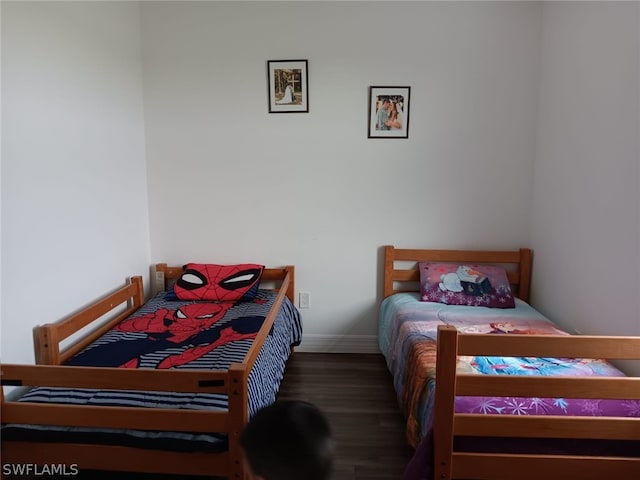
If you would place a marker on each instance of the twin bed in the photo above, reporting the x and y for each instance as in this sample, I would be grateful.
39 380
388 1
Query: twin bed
501 393
164 386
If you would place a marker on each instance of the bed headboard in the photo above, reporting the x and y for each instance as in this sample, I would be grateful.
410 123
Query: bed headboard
401 273
165 275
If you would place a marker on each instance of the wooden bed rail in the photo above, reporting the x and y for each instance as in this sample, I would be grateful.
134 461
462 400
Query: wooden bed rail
406 279
450 464
47 337
253 352
169 463
87 456
115 417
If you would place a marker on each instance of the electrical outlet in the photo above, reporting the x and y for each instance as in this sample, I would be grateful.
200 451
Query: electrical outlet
304 299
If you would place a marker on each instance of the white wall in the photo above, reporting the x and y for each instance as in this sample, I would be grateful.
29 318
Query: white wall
496 87
74 200
585 227
229 182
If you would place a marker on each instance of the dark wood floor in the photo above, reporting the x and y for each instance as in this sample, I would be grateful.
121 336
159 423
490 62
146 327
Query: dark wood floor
356 393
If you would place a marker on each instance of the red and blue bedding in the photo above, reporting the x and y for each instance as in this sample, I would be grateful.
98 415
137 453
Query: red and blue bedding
175 334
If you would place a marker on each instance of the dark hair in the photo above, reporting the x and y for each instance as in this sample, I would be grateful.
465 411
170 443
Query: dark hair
289 440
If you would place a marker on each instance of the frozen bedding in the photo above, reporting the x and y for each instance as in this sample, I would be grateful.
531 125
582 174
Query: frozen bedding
407 338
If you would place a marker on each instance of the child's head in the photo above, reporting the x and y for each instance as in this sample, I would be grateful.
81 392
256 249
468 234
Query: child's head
288 440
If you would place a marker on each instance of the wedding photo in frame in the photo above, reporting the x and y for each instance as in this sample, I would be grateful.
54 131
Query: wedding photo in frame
389 112
288 86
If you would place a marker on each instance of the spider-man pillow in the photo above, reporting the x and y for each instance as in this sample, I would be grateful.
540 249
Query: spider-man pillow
218 283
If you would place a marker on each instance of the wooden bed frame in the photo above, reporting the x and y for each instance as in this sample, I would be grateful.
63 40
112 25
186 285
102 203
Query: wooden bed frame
49 371
449 464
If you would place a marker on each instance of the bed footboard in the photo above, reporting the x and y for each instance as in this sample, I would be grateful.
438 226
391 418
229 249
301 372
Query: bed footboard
450 464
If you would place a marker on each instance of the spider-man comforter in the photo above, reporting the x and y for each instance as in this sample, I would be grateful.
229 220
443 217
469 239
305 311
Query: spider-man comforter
176 334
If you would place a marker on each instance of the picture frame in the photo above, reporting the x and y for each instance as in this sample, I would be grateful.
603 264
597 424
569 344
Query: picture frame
389 109
288 84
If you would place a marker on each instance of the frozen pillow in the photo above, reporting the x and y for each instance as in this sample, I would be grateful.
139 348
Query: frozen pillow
462 284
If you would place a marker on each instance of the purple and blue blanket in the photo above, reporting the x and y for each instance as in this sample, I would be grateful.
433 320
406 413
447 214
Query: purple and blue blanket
407 333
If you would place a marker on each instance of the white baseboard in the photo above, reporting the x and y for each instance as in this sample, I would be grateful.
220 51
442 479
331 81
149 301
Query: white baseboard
339 343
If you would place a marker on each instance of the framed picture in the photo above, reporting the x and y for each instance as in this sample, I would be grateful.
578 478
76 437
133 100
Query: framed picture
288 86
389 112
